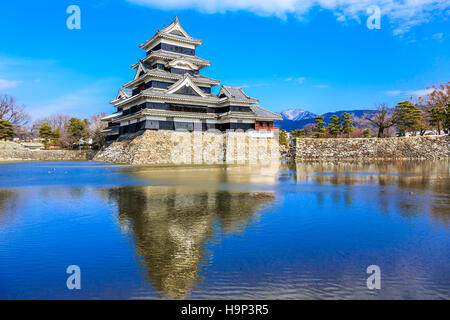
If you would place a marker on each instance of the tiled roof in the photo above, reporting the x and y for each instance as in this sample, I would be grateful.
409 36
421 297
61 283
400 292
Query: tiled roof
166 113
172 31
112 116
236 93
165 73
162 93
168 55
265 114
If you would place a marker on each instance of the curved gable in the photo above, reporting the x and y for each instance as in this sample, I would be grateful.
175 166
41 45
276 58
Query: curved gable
179 87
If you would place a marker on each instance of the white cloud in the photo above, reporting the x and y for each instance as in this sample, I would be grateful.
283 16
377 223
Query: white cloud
320 86
418 93
393 93
409 93
403 14
438 36
8 84
299 80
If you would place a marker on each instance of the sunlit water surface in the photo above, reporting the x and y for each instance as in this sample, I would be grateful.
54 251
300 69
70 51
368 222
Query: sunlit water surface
277 231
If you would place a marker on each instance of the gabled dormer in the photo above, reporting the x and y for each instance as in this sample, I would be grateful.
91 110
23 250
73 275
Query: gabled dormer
140 70
186 86
123 94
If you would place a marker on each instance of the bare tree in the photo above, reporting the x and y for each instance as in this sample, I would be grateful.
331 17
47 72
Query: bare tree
58 123
23 133
438 97
10 111
382 118
95 127
434 103
363 122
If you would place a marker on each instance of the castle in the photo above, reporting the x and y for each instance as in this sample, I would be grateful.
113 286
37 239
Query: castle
169 93
168 113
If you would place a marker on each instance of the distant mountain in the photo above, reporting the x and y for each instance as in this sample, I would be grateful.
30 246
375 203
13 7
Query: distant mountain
354 113
298 118
297 114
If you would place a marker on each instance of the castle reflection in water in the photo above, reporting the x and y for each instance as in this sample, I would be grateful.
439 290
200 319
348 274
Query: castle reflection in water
172 225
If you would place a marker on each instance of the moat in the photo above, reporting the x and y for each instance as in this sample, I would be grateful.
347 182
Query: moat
305 230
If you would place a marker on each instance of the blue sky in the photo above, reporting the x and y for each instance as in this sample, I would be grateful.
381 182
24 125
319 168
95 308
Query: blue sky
317 55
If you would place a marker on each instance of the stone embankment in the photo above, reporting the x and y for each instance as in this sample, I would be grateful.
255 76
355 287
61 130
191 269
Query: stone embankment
178 147
11 151
425 147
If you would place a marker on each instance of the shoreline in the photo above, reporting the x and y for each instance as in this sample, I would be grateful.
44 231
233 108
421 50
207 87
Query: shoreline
301 149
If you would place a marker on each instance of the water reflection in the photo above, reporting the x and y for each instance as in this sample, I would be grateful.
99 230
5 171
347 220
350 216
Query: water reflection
206 232
419 175
412 187
211 175
8 206
172 226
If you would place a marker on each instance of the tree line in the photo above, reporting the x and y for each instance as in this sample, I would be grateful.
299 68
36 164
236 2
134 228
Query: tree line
56 131
411 117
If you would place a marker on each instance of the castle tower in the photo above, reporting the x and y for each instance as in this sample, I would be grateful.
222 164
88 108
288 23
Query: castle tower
169 93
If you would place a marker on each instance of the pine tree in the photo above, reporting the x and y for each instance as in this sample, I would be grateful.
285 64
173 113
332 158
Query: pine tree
409 118
319 129
347 123
302 133
6 130
437 117
46 133
334 127
367 133
298 133
283 138
77 130
447 119
55 136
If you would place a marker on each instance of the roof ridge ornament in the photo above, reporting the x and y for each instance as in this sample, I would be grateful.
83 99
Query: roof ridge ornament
174 31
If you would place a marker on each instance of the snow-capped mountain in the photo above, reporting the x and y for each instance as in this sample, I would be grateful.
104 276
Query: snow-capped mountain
298 118
297 114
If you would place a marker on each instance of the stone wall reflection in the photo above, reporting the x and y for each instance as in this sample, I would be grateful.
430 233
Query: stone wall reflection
173 224
405 184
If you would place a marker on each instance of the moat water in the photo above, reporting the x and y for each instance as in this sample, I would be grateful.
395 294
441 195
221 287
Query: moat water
276 231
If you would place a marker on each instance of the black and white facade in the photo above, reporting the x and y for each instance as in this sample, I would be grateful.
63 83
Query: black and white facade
169 93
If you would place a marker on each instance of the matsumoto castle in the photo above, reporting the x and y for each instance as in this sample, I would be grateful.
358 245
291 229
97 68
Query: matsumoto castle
169 93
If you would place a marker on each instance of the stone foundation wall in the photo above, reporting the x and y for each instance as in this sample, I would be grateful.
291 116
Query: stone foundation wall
178 147
426 147
10 151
